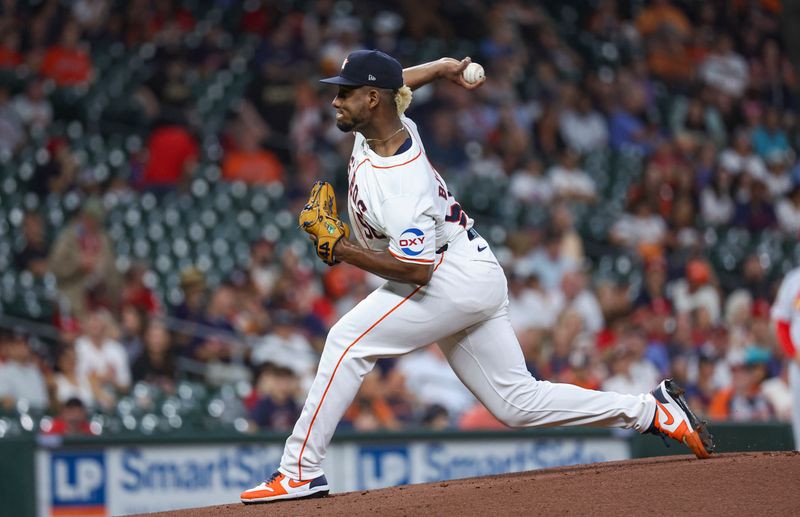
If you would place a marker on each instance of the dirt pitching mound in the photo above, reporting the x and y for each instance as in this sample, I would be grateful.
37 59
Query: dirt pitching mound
726 484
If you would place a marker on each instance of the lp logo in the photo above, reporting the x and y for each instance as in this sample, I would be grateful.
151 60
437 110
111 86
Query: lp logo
78 478
380 467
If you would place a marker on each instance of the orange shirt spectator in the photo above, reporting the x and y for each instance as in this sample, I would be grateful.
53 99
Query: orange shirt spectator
172 154
661 15
252 166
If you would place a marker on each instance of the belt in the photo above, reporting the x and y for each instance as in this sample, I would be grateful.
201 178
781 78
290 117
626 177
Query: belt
471 235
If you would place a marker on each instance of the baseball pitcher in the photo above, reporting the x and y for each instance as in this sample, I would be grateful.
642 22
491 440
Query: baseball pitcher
443 285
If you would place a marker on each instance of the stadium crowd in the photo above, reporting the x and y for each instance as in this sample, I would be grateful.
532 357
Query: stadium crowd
701 96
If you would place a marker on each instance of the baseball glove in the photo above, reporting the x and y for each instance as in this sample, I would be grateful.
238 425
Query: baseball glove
320 219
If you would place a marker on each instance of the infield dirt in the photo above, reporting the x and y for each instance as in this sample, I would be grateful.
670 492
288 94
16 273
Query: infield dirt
726 484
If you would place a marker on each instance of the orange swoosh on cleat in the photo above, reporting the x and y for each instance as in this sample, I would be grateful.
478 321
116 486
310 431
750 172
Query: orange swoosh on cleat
670 418
298 484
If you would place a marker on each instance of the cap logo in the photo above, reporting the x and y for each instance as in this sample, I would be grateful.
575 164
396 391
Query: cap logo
371 77
344 63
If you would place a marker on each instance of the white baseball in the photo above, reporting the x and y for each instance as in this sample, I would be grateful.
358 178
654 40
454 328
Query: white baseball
473 73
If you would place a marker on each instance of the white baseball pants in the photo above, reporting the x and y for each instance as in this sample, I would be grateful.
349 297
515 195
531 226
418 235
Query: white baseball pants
794 387
465 309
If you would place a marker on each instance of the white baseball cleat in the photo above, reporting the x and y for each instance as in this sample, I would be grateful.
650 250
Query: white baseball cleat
673 418
279 487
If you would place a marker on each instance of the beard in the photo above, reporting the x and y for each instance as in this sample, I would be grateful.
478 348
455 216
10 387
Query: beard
345 127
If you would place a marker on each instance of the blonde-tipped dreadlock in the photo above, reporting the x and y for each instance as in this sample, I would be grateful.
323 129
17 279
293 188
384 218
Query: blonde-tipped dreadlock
402 99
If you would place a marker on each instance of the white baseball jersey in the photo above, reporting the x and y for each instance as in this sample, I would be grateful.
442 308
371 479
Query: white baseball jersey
787 304
787 309
400 202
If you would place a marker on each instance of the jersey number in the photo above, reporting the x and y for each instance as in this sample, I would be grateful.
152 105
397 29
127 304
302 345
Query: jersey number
457 215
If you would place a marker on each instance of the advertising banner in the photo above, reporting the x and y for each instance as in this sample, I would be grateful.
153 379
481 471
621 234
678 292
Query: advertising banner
124 480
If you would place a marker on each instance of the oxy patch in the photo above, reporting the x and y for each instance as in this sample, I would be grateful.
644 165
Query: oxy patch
412 241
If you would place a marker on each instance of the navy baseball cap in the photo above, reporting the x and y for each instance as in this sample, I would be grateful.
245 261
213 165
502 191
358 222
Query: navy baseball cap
369 67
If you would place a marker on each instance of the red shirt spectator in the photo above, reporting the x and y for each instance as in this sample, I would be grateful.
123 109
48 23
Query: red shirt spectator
66 63
10 57
172 154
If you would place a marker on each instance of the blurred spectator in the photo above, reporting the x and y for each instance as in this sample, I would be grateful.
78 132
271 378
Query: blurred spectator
668 59
583 128
579 371
156 365
172 156
10 56
754 279
563 223
530 184
445 146
102 359
777 177
218 337
700 393
33 256
778 394
276 389
135 291
653 294
683 234
743 400
83 262
725 69
547 263
575 295
628 129
68 63
251 163
769 139
285 342
787 212
531 306
570 182
632 372
263 271
369 410
696 291
691 118
741 158
640 230
661 16
67 384
774 76
132 323
72 419
33 107
716 200
429 378
58 175
755 214
167 96
90 14
21 379
12 131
